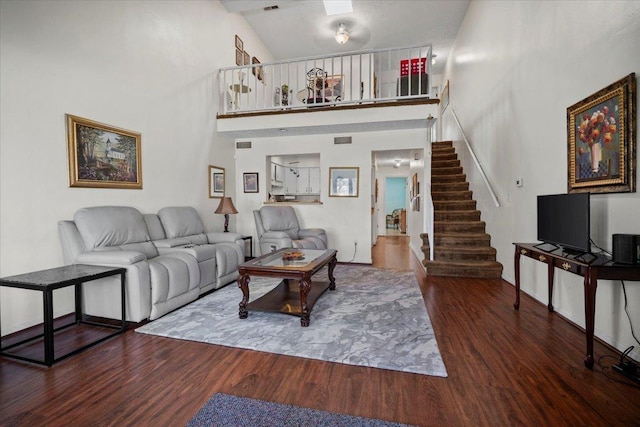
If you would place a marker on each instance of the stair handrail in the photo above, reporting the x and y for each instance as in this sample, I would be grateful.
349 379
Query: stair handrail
476 161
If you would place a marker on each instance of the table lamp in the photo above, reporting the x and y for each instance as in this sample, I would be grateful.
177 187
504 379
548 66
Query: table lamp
226 207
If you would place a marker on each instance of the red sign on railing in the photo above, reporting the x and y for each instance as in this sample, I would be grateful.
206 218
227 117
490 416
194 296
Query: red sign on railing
418 66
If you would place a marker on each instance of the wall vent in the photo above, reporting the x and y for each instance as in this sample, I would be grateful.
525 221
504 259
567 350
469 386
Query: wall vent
243 144
342 140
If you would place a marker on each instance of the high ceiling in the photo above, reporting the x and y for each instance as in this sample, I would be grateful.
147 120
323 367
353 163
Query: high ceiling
301 28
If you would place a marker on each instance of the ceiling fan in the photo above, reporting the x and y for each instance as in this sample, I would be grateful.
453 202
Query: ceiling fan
342 35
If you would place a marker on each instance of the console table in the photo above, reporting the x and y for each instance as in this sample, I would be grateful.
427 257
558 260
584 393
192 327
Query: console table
46 281
592 267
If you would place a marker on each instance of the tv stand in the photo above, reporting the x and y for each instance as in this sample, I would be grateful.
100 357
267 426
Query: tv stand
601 267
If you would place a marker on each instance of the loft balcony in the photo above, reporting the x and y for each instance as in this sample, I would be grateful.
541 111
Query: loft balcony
347 83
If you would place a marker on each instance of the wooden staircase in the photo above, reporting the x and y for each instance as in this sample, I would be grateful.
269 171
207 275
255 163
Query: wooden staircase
461 245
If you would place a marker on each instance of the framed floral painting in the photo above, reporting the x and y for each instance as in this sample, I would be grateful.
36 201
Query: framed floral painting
601 140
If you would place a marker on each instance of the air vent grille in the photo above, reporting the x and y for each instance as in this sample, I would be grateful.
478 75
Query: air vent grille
342 140
243 144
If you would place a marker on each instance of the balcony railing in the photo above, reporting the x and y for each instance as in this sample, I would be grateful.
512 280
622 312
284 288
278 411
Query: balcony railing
343 79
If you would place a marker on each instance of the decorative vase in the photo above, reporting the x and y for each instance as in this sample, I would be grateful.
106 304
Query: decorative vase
596 156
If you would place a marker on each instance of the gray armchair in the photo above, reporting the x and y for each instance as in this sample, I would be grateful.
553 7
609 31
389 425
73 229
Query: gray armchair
278 228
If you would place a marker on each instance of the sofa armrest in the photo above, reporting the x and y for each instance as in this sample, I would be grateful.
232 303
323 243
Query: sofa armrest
221 237
310 232
316 233
111 257
271 235
171 243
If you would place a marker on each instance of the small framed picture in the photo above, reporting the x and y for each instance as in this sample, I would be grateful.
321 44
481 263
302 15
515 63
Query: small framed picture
216 182
250 182
239 55
246 58
239 44
343 182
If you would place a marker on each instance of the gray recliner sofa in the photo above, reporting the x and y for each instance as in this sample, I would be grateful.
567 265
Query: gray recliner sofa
278 228
163 273
179 228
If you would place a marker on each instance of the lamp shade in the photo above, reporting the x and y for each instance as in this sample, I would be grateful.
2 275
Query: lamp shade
226 206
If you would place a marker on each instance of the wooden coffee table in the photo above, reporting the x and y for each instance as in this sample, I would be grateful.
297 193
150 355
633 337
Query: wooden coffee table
295 294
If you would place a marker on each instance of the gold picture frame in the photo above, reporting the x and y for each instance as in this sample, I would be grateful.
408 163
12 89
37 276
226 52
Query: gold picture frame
103 156
601 140
216 182
344 181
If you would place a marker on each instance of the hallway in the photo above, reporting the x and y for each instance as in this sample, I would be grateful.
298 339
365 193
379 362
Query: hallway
392 251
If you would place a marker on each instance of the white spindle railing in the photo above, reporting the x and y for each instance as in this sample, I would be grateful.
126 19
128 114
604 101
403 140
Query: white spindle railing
344 79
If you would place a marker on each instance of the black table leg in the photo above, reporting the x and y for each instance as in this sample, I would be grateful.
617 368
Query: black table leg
47 301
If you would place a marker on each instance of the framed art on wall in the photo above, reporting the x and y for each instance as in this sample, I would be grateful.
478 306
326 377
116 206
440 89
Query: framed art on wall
601 140
257 71
343 181
239 55
250 182
102 156
444 99
216 182
239 44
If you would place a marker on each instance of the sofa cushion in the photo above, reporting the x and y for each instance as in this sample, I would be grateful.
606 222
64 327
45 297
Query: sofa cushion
114 226
154 227
183 221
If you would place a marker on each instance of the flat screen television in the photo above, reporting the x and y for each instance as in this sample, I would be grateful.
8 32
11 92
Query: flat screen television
564 220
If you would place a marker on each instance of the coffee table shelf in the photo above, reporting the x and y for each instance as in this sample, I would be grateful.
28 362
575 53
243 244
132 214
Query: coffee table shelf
285 298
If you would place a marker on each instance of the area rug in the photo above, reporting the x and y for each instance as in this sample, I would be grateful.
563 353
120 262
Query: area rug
374 318
226 410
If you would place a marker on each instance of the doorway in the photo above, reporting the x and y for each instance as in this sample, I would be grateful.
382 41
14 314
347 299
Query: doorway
394 209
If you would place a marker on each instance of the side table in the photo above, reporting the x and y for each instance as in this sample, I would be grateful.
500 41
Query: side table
250 239
46 281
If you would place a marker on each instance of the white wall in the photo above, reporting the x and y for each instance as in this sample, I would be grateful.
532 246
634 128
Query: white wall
345 219
514 70
150 67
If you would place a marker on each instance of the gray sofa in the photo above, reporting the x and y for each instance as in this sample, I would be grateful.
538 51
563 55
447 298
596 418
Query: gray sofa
170 259
278 228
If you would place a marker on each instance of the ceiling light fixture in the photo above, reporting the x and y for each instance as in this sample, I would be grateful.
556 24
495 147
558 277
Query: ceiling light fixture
343 34
397 165
433 59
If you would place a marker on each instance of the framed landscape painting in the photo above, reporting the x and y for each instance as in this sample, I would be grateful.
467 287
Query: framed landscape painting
102 156
601 140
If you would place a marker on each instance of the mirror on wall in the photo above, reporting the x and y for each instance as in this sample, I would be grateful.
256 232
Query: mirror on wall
216 182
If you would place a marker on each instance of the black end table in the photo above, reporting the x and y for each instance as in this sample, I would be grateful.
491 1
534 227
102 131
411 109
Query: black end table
46 281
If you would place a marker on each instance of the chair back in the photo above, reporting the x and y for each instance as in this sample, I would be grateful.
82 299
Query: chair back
280 218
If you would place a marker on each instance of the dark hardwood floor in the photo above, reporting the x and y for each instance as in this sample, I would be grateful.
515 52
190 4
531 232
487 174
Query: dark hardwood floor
505 367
